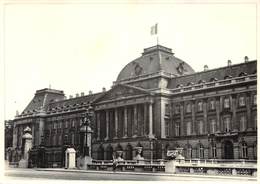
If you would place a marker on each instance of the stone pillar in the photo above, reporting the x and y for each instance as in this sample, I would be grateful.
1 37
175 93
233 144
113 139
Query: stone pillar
151 120
162 120
98 125
41 130
33 135
235 125
145 120
15 131
135 122
125 122
193 127
116 123
250 120
27 137
107 125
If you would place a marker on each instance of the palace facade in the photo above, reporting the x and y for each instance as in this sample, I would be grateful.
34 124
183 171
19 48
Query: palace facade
158 102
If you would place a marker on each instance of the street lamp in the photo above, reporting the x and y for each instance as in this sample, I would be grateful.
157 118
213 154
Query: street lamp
151 139
86 132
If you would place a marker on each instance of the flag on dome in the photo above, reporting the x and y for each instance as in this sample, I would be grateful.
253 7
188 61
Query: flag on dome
154 29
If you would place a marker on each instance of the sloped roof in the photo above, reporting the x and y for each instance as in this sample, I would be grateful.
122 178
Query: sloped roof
42 98
219 73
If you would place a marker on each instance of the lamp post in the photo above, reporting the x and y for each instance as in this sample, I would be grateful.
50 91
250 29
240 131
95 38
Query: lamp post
151 147
86 132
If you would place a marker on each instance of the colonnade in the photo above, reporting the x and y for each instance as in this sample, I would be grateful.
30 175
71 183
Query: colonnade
125 121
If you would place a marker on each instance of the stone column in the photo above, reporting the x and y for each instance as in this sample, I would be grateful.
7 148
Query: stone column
151 135
125 122
107 125
41 130
98 125
162 120
135 122
145 120
116 123
235 125
15 131
33 135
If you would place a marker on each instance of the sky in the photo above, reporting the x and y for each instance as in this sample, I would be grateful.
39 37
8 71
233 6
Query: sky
77 47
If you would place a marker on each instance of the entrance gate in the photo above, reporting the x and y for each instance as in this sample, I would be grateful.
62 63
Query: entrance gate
228 150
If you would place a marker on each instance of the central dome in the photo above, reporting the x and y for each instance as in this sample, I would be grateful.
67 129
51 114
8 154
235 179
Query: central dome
155 59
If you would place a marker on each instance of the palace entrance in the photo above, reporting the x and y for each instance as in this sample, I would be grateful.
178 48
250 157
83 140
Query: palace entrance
228 150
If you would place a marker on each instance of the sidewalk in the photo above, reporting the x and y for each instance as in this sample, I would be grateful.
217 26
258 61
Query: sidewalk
151 173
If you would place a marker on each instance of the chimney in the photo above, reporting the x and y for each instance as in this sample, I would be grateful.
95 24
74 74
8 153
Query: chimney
70 96
229 62
77 95
17 113
90 92
103 89
246 59
206 67
82 93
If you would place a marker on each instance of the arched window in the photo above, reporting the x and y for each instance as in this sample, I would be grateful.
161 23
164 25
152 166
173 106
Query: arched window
213 126
200 151
227 124
243 150
100 153
255 150
177 129
188 151
200 106
177 109
226 102
200 127
109 153
213 150
188 128
212 104
129 152
242 123
188 108
242 101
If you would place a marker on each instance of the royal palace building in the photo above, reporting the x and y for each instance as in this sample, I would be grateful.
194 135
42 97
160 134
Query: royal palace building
159 103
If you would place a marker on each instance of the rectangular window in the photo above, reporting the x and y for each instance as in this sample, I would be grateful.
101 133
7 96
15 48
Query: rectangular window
177 130
255 99
242 123
242 101
200 106
188 128
212 105
213 126
200 127
226 103
177 109
188 108
167 109
167 127
227 124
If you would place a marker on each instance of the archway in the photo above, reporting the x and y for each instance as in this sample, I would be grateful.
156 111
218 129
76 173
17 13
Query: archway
228 150
109 153
129 152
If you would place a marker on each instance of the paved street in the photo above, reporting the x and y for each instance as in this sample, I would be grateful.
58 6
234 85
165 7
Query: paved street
62 174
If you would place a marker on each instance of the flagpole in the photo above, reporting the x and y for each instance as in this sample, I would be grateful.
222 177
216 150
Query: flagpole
157 40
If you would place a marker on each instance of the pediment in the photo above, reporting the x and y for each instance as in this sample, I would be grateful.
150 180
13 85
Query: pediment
122 91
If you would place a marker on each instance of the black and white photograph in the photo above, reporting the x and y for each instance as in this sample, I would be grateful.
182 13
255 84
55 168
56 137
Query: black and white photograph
130 90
